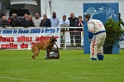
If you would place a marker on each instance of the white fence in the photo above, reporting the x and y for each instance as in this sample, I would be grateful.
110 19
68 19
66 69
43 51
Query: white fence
72 37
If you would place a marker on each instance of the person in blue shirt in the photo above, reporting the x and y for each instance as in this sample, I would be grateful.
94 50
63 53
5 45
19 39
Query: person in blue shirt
54 20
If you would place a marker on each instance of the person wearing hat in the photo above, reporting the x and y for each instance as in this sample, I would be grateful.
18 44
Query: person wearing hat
97 35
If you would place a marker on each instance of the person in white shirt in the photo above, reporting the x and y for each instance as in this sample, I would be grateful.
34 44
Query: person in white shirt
97 35
54 20
36 20
64 22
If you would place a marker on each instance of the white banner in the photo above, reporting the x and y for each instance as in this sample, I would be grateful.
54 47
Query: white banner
24 38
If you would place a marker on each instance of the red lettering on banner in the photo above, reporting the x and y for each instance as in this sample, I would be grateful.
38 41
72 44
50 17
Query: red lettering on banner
24 39
56 36
9 46
41 38
36 38
6 39
33 43
23 45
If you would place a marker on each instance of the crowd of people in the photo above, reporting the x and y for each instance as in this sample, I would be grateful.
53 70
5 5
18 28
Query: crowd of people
37 21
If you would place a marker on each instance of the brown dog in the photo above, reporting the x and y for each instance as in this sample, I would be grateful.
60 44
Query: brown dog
43 45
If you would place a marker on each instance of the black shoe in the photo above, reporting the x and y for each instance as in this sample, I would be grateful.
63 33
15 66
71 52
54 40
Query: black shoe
100 57
93 59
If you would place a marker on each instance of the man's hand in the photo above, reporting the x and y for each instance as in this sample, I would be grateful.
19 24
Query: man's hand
90 35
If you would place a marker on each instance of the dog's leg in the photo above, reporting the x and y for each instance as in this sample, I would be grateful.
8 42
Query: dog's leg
36 51
34 57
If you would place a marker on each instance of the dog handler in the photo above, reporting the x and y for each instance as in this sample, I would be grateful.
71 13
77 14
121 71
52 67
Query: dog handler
97 35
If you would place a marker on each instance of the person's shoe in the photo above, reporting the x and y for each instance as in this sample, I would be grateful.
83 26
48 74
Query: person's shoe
100 57
93 59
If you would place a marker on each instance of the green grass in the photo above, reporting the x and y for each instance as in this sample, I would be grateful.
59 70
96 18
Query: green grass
73 66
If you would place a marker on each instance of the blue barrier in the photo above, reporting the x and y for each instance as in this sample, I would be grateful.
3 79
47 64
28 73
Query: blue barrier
101 11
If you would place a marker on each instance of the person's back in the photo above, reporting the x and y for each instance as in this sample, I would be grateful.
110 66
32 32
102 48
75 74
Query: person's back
95 25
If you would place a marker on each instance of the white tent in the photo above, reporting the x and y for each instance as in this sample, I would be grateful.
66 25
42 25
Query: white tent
45 8
33 2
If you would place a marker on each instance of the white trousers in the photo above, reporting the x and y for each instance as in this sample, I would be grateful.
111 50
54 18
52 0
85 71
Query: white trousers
96 46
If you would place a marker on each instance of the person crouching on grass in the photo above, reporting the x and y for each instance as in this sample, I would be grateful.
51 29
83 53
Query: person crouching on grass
97 35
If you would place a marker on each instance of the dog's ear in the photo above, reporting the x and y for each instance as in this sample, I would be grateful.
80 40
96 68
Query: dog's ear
51 37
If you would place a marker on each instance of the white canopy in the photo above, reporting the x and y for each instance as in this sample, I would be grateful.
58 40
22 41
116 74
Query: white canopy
33 2
45 8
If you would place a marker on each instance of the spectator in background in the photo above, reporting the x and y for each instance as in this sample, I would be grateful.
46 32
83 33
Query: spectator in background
14 21
31 20
3 22
2 14
73 21
121 42
54 20
64 22
79 23
36 20
26 22
121 22
45 22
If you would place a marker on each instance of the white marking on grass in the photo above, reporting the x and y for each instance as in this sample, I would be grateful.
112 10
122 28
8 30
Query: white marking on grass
76 76
21 79
115 58
70 76
39 76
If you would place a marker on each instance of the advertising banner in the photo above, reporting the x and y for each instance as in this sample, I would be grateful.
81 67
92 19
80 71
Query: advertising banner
24 38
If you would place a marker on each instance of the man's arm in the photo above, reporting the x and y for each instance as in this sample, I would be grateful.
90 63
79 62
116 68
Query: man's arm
91 29
48 23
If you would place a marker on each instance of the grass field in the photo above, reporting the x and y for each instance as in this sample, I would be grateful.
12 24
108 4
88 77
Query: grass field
73 66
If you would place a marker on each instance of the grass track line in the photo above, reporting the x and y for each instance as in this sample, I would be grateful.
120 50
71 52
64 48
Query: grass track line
11 78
